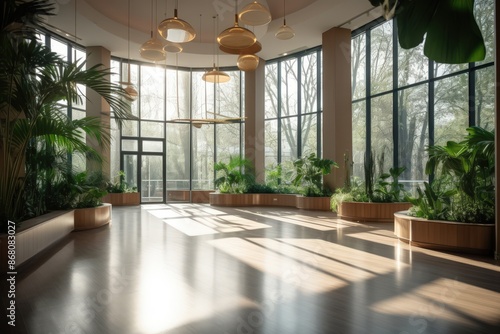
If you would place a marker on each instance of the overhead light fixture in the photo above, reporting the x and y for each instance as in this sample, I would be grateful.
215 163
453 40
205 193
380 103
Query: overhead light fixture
132 93
176 30
248 62
257 47
255 14
172 47
152 49
236 37
284 32
215 75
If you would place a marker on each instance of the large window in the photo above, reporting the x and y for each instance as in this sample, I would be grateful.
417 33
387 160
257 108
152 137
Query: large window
292 107
162 134
403 102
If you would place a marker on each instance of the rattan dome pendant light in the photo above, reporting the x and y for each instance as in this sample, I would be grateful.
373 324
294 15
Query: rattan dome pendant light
215 75
255 14
152 49
176 30
132 93
284 32
236 37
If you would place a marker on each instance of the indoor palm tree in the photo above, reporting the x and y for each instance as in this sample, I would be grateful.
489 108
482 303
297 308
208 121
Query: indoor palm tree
32 82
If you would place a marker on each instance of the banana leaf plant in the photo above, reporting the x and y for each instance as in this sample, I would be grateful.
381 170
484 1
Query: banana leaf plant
451 32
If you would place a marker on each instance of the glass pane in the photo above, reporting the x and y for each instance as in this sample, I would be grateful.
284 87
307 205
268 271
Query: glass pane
130 145
451 109
413 66
413 134
79 161
59 47
485 98
358 66
134 79
228 141
130 128
203 157
382 134
152 93
309 84
358 138
227 96
271 90
152 146
130 168
309 134
80 56
289 87
289 139
271 138
178 161
152 178
381 58
178 89
152 129
115 150
202 94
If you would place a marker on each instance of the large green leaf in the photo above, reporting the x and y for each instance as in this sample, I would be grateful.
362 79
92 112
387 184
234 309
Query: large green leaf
449 28
453 35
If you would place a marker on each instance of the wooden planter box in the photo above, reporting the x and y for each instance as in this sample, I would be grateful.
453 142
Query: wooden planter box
88 218
285 200
445 235
190 196
36 235
122 199
370 212
313 203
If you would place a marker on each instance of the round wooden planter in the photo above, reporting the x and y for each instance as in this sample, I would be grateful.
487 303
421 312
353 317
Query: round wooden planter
370 212
89 218
445 235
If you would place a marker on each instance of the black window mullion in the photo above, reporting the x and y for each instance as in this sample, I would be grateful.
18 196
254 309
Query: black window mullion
395 95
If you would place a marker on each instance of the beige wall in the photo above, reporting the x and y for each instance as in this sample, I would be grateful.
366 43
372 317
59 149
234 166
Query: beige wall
337 106
98 107
254 123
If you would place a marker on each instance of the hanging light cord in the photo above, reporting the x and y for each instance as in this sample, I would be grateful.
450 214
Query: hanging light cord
284 12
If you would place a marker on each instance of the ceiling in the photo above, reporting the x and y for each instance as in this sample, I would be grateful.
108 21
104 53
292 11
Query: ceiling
106 23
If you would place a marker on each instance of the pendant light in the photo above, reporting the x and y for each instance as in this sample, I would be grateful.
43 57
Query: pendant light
132 93
215 75
284 32
236 37
248 62
255 14
152 49
176 30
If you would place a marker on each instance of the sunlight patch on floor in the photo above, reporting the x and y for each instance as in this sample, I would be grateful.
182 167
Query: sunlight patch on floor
310 265
447 299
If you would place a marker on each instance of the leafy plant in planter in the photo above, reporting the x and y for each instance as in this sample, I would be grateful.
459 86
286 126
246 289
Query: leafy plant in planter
468 167
383 189
234 177
120 186
309 172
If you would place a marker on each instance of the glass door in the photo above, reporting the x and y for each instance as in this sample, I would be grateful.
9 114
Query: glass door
152 180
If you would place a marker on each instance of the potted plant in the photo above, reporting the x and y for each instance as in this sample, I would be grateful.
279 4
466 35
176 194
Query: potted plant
309 172
457 211
374 200
120 193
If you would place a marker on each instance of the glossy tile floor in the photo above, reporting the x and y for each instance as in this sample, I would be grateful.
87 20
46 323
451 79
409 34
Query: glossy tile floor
185 268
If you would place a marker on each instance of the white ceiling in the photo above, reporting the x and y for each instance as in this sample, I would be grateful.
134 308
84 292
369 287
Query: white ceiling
105 23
